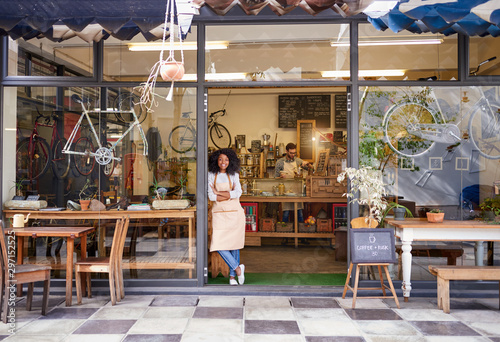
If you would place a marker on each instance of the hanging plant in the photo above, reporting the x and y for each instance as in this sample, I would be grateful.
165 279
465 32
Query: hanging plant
169 69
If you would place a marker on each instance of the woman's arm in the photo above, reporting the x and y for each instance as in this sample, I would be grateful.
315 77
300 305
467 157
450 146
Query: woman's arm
236 191
211 186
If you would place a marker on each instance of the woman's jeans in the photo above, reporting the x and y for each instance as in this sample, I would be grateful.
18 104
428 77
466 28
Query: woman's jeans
232 259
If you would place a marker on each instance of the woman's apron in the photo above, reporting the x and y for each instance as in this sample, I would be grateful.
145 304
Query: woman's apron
290 169
228 222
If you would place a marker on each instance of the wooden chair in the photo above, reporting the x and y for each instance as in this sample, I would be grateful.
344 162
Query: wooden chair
21 274
362 222
111 265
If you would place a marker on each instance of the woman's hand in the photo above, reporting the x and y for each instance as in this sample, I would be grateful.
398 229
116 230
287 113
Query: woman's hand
221 195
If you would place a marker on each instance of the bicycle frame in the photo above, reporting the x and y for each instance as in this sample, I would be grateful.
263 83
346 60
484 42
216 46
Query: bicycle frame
102 155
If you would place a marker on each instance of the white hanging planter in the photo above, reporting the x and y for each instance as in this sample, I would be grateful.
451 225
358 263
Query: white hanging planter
172 70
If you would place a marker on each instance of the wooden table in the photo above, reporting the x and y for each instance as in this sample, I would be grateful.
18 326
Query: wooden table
417 229
189 214
295 200
70 233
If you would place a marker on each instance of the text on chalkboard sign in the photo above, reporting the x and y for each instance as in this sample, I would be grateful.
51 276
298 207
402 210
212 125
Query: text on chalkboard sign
372 245
304 107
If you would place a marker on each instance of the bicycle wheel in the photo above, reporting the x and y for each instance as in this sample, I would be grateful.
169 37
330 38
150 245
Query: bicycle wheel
398 119
60 161
84 164
484 130
128 102
182 139
32 161
220 136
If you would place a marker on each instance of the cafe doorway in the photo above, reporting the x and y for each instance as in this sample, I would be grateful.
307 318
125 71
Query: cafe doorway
297 257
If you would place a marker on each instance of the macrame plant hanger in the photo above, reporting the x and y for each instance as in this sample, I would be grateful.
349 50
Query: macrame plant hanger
169 69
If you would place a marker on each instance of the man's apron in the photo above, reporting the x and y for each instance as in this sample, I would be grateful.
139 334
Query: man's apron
228 222
290 169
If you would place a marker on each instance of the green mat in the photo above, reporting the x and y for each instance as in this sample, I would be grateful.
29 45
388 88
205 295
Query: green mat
309 279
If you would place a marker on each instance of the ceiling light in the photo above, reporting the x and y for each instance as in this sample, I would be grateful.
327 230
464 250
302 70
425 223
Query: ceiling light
218 76
176 46
363 73
391 42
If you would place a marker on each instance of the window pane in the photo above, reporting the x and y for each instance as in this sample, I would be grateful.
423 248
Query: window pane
406 56
308 54
482 49
42 57
107 162
133 60
437 148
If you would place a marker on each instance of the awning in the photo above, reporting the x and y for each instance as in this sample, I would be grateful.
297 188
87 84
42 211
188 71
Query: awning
470 17
93 20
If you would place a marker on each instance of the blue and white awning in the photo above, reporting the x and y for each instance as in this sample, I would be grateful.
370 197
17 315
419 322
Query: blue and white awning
470 17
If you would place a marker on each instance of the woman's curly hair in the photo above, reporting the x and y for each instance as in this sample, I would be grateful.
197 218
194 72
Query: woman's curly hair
234 161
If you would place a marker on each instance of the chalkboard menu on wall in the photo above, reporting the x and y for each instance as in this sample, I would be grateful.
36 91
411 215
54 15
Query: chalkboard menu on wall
372 245
305 133
341 111
304 107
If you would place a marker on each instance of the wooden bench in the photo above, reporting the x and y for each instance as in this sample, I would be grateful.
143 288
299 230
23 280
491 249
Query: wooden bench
451 252
446 273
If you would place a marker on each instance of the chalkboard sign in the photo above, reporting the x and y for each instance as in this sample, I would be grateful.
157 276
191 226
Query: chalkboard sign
372 245
305 146
341 111
304 107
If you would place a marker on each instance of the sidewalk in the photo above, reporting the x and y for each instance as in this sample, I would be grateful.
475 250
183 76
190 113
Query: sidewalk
255 318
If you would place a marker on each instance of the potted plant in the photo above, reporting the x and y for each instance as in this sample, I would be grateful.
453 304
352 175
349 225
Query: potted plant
18 185
435 216
160 199
400 212
367 183
86 194
490 207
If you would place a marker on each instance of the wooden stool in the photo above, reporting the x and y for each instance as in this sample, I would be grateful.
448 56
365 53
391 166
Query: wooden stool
217 265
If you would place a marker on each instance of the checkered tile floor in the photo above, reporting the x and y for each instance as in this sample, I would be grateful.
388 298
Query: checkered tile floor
255 318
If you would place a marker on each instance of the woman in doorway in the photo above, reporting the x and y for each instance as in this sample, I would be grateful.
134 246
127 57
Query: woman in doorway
228 217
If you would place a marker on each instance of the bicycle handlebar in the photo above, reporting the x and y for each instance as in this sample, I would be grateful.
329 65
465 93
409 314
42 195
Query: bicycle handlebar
221 110
483 62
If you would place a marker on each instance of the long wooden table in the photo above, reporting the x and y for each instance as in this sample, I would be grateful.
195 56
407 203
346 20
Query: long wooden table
148 262
70 233
295 200
418 229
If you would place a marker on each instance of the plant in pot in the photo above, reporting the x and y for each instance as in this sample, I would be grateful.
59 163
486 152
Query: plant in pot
435 216
160 200
399 210
367 183
490 207
18 185
86 195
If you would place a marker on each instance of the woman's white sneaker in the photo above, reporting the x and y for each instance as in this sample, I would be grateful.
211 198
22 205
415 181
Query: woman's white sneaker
233 281
241 277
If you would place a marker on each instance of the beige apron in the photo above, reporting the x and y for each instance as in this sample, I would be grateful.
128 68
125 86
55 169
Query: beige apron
228 222
290 169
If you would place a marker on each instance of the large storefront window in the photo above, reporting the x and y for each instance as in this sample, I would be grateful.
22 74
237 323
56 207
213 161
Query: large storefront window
437 147
123 158
406 56
276 53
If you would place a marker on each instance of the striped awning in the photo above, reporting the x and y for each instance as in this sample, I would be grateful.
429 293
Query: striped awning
470 17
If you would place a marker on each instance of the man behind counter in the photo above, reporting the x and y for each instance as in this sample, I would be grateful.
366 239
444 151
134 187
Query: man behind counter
288 167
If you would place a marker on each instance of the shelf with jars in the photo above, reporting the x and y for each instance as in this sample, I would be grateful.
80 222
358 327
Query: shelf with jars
252 165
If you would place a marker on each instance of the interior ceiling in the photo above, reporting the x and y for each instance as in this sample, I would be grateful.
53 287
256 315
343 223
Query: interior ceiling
93 20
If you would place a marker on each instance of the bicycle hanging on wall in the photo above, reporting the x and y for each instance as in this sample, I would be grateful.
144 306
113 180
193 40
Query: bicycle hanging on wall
33 154
412 127
84 154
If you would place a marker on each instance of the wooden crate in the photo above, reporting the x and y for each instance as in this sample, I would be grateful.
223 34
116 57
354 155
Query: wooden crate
267 225
324 225
303 228
284 227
